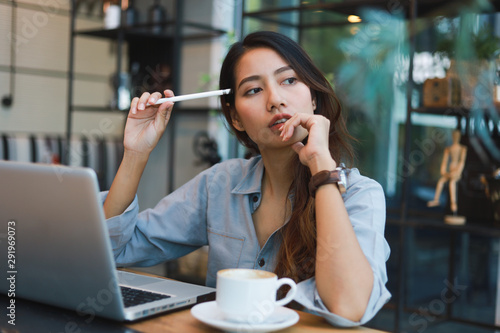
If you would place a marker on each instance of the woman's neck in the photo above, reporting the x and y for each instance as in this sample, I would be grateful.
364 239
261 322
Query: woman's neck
278 174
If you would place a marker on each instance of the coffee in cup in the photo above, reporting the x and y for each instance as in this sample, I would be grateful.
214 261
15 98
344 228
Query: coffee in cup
249 295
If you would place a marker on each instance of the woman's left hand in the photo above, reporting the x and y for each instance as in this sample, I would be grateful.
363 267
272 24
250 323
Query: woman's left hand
315 154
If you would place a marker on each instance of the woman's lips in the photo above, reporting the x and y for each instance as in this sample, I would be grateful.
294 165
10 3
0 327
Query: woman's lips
278 120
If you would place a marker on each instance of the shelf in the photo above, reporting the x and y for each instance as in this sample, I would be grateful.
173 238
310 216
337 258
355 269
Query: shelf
457 111
191 30
476 229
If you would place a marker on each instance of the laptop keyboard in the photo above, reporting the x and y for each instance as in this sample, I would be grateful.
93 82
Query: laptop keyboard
132 297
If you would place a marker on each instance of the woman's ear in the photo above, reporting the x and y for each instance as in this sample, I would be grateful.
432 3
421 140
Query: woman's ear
313 100
236 120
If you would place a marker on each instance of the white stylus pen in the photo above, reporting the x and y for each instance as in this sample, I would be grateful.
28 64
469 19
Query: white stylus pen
194 96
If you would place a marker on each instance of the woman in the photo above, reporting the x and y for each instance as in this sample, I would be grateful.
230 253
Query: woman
260 213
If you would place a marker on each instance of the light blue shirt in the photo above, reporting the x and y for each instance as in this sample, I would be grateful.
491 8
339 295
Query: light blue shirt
215 209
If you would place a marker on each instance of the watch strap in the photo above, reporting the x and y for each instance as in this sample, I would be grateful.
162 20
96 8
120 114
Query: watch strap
322 178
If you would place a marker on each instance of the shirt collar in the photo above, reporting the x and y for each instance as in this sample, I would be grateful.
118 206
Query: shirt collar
251 183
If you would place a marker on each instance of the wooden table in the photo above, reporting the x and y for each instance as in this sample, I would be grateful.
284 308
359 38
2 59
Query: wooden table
183 321
37 317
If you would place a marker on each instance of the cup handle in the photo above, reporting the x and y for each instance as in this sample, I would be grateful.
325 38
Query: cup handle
291 293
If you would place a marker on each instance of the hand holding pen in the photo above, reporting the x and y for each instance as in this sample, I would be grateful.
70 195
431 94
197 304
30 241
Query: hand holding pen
149 115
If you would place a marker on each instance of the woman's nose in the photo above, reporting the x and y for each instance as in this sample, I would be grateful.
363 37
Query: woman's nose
275 98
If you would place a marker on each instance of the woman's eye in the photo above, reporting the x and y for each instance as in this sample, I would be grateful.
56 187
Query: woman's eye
253 91
290 80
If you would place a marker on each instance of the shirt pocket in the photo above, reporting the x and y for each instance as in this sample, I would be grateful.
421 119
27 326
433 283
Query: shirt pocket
224 251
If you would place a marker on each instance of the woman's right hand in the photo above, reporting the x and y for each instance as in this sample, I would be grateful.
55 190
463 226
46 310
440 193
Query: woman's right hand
146 122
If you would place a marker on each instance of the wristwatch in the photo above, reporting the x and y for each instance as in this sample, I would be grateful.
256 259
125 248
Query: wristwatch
324 177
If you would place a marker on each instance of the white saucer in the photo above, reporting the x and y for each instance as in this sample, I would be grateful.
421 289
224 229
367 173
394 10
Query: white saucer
210 314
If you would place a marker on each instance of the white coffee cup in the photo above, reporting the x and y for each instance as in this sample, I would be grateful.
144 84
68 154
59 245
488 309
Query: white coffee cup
249 295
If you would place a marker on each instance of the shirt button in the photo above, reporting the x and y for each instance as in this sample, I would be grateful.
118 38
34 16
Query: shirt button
262 262
255 198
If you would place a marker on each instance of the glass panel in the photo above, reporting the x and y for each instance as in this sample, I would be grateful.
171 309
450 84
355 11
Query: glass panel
368 65
251 24
322 17
422 166
477 270
365 62
315 2
470 295
259 5
287 19
314 13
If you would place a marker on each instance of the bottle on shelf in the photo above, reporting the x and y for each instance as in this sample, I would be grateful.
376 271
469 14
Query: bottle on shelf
120 84
112 12
130 15
156 17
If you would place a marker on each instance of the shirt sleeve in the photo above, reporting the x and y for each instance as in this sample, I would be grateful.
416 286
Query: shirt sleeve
365 204
175 227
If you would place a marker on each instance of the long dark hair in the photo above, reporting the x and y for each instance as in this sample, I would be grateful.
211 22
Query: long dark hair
297 254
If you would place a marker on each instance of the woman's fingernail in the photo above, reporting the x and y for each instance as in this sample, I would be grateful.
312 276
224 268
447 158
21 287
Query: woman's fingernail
141 106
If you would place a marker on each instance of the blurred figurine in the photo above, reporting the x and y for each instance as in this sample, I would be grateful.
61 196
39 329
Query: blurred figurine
451 170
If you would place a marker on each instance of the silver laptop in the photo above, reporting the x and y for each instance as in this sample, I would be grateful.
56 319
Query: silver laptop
55 249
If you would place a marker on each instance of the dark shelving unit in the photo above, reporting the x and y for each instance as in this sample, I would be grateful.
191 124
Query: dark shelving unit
166 47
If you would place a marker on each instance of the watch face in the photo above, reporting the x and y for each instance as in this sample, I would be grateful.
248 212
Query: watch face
338 176
343 181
